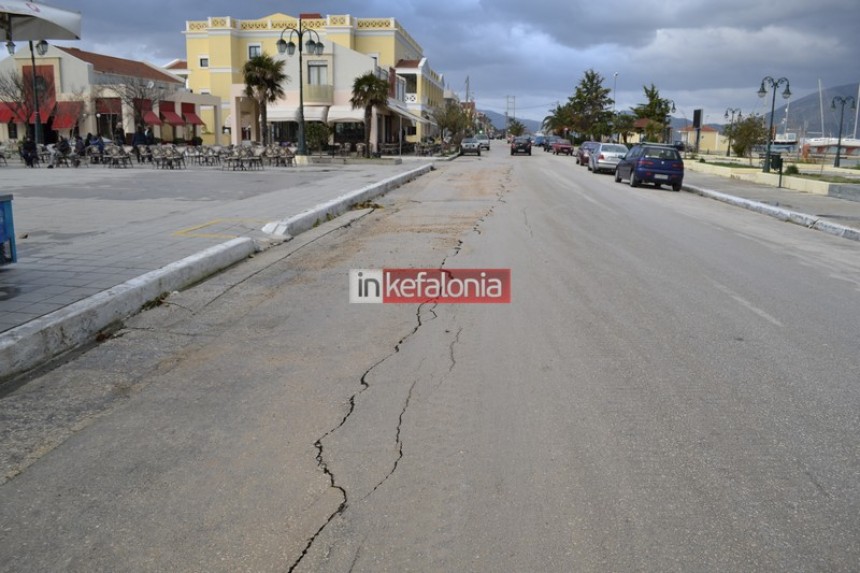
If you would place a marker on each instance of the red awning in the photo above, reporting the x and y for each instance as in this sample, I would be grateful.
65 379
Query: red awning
149 118
193 119
46 110
6 113
109 105
172 118
67 115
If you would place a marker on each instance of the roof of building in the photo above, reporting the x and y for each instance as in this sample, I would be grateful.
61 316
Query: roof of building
177 65
408 64
119 66
703 128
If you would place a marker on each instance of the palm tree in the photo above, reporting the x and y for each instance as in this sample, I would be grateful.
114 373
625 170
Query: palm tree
263 78
369 91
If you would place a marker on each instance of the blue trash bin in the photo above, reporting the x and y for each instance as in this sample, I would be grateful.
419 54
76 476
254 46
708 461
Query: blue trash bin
7 232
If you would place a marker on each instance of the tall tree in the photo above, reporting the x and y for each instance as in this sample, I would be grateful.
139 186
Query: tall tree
590 106
656 109
263 78
369 91
452 120
747 133
16 90
516 127
561 120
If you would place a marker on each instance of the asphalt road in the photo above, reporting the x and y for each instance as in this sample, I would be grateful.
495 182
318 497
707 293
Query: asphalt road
673 388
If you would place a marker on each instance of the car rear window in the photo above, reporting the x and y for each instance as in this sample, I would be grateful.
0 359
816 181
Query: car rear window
661 153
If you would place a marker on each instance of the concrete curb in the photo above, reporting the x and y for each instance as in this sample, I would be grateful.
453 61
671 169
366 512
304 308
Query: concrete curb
331 209
803 219
32 344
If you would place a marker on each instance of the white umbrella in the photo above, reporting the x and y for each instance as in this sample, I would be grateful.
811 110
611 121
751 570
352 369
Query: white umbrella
21 20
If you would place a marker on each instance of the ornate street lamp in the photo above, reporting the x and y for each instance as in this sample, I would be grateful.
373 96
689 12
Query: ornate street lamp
313 48
41 47
733 111
667 103
762 91
842 101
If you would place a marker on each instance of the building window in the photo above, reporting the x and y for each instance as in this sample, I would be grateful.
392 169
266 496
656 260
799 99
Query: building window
204 62
13 130
255 50
317 73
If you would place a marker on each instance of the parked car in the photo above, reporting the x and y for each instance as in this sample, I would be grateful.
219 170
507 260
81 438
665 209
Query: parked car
546 144
583 152
562 146
483 141
606 156
521 144
651 163
470 145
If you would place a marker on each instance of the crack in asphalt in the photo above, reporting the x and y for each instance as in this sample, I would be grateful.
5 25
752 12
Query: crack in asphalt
365 385
319 443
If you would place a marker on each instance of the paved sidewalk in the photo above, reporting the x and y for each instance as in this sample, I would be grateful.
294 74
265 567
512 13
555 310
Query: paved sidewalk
89 237
829 214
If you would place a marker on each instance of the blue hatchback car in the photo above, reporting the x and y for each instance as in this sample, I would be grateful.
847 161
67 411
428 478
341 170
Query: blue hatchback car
651 163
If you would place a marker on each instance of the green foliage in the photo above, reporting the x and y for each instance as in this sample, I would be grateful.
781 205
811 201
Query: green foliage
747 133
369 91
317 135
515 127
590 106
656 109
452 120
263 77
792 170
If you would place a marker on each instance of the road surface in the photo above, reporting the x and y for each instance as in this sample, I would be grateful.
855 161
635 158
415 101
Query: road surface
674 387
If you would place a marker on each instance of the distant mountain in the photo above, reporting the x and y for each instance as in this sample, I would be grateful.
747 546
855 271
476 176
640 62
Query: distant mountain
498 121
804 114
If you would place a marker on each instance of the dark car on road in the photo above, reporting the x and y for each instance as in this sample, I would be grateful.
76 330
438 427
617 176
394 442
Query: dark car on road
562 146
651 163
584 152
521 144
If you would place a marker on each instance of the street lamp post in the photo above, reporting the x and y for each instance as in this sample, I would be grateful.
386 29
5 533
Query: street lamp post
762 91
614 85
668 120
314 48
733 111
842 101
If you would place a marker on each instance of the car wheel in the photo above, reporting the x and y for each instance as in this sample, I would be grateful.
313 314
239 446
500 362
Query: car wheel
478 154
676 187
530 151
633 181
617 176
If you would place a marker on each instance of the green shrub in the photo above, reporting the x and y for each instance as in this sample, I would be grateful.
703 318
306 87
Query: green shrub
792 170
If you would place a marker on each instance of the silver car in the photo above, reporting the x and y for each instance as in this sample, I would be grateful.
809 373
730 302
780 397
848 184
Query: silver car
470 145
605 157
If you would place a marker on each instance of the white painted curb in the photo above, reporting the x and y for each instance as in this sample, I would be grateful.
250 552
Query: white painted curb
330 209
796 217
32 344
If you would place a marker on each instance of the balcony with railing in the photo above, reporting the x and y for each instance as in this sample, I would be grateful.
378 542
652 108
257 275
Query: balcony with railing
318 94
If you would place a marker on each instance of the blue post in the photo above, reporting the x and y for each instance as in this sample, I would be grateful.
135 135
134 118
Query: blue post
8 254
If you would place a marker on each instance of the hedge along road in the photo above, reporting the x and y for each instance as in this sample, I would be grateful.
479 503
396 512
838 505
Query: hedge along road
673 383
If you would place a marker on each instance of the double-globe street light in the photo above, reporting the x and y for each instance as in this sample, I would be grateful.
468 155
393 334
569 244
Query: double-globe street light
733 111
762 91
42 48
842 101
314 48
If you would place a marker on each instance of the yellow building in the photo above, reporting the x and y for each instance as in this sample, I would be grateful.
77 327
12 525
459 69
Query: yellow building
218 47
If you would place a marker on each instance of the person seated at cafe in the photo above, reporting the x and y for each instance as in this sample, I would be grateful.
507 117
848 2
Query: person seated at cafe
137 140
61 149
29 152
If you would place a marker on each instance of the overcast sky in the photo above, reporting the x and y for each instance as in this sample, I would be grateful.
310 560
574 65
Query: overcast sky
709 54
